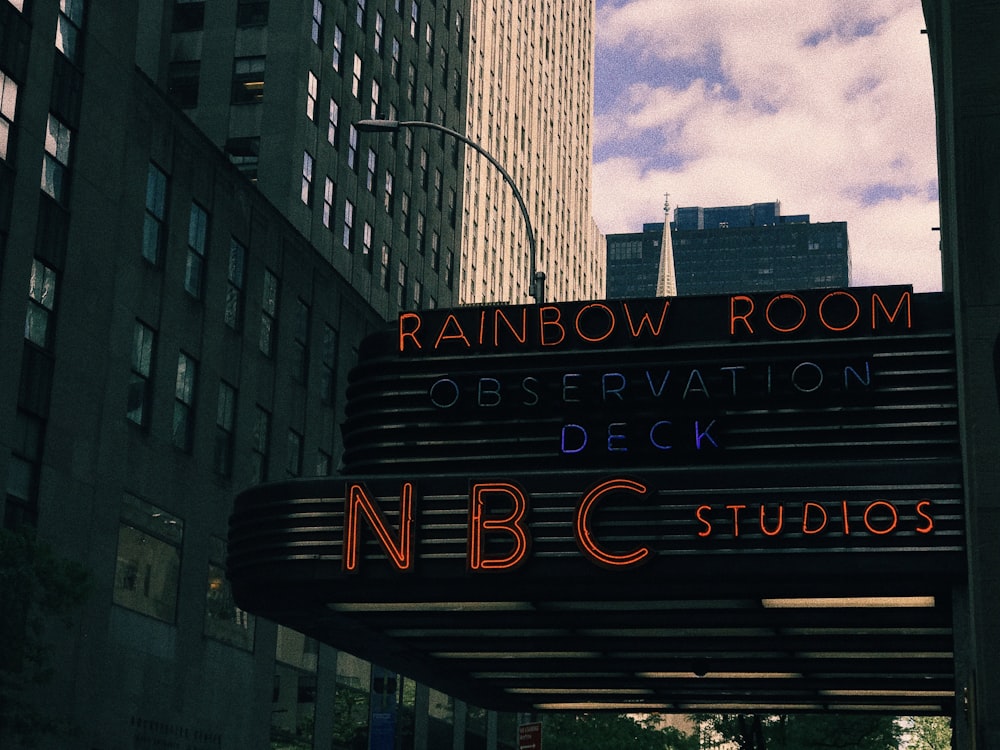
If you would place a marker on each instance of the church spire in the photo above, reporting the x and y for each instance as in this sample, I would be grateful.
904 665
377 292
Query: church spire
666 282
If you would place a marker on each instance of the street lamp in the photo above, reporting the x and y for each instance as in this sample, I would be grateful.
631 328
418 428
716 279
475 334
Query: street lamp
536 278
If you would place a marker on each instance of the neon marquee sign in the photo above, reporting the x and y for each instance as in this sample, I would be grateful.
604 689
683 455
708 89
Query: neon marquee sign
617 435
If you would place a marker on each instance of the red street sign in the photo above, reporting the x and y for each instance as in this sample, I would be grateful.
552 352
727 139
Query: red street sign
529 737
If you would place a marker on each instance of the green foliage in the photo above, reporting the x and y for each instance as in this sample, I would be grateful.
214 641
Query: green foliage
602 731
37 588
813 731
927 733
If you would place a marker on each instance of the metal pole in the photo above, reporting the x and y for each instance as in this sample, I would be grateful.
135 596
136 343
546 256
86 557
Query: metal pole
536 278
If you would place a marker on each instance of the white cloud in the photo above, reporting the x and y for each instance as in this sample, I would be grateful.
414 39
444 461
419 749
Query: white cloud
834 110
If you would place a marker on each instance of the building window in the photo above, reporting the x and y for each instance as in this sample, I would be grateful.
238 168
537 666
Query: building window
418 294
449 262
394 63
194 271
356 79
224 621
189 15
386 265
251 13
376 91
307 177
268 314
348 225
414 18
411 84
140 390
367 243
248 80
234 288
147 572
370 175
293 465
184 388
359 13
300 342
435 251
338 48
427 103
401 285
261 448
317 22
429 42
41 305
404 209
331 128
244 153
312 92
408 148
423 168
329 193
68 28
328 382
156 209
225 421
23 468
389 203
438 188
8 106
421 223
183 80
352 148
379 32
55 162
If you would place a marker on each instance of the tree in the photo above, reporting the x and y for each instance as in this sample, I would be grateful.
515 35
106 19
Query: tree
813 731
603 731
927 733
37 588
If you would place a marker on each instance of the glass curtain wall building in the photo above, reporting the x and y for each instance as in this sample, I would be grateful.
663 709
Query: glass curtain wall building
731 249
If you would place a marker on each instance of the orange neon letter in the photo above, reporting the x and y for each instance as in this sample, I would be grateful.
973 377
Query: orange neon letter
543 323
512 525
891 317
781 520
892 512
857 312
805 518
707 531
500 315
357 500
922 510
409 334
645 320
611 322
733 317
582 525
459 334
779 298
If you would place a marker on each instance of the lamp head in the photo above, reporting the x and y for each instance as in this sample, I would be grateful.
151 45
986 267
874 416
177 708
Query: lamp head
377 126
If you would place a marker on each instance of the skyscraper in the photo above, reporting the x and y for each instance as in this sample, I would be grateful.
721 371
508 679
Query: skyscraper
731 249
280 87
530 105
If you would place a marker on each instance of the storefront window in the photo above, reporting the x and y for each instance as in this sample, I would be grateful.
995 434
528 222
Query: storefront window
149 559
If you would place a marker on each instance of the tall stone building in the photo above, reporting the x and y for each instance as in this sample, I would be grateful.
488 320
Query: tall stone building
530 105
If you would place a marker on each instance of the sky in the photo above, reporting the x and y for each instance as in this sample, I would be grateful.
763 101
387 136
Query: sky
826 106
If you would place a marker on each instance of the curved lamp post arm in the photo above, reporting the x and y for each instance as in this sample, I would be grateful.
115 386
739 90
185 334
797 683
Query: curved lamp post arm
537 278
